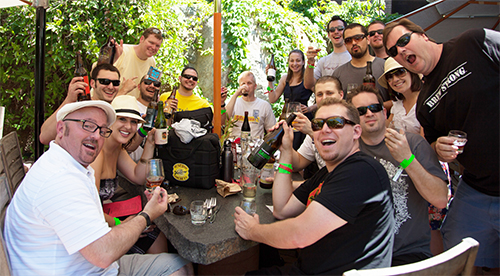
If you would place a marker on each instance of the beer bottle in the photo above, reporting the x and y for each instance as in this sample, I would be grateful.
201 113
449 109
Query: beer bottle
169 110
271 71
80 71
161 134
369 79
266 172
272 141
151 112
284 110
245 134
107 52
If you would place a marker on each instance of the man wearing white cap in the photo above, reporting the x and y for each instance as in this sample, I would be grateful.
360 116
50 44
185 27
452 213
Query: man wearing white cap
55 223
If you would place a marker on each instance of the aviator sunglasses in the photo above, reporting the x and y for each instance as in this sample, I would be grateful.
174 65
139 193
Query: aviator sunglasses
402 41
189 77
372 33
108 81
334 122
374 108
339 28
399 72
149 82
356 38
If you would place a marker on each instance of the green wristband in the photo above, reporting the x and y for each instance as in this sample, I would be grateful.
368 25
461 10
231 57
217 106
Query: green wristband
117 221
287 165
406 162
280 170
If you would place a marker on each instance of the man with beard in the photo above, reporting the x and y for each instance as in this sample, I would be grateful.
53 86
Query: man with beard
134 61
185 100
375 38
105 80
342 218
326 65
460 92
55 223
355 39
421 181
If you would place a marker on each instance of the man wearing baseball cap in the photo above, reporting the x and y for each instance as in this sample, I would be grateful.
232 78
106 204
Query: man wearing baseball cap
55 223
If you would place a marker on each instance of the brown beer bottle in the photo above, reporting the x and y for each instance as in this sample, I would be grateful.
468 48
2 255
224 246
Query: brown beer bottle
271 71
80 71
266 172
107 52
272 141
284 110
170 110
369 79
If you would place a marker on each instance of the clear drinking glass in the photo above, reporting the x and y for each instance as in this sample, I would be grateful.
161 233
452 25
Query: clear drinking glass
460 139
198 212
293 107
249 206
154 174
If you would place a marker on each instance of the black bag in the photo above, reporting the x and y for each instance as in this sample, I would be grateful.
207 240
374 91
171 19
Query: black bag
194 165
202 115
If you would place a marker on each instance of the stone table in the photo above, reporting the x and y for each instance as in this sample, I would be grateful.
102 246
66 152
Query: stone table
210 243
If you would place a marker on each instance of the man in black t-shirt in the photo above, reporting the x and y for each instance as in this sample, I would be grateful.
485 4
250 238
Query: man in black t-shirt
460 92
342 217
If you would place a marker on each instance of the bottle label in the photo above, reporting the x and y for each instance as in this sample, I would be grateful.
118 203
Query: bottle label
161 136
372 84
264 154
267 171
150 118
271 72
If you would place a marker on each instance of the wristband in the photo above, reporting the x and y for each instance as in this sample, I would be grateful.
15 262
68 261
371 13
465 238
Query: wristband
222 111
406 162
117 221
286 167
281 170
310 65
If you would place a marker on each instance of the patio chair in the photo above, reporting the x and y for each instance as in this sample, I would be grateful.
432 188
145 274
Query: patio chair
458 260
4 202
12 160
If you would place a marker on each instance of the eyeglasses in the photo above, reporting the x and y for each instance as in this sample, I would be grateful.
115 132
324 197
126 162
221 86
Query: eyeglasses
334 122
357 38
399 72
372 33
374 108
189 77
157 31
402 41
92 127
339 28
108 81
149 82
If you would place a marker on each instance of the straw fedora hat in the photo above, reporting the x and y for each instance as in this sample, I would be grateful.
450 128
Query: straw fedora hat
126 106
390 64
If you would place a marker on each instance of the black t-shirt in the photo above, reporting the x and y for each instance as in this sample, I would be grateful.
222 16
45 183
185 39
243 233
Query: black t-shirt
358 191
462 93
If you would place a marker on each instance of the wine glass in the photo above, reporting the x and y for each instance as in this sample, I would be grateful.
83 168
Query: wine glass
154 174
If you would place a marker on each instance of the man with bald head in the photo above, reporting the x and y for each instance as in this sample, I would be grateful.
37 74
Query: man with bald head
460 92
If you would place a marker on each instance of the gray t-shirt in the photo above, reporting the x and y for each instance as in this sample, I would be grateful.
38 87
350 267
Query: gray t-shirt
349 74
326 65
412 232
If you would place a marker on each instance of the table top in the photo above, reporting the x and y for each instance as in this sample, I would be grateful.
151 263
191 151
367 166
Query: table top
210 243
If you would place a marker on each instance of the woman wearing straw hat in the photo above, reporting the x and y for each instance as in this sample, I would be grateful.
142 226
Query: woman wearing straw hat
403 87
113 156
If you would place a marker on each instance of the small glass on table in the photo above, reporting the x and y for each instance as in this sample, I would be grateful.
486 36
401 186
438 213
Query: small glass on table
198 210
154 174
249 206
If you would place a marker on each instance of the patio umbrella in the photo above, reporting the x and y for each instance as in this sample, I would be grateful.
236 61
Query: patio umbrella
446 19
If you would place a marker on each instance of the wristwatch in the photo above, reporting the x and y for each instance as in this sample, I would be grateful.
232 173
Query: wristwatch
146 216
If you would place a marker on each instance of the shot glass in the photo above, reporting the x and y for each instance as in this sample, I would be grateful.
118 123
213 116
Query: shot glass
198 212
249 206
460 139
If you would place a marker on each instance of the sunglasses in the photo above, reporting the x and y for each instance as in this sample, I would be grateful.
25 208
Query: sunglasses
374 108
108 81
357 38
339 28
149 82
156 31
372 33
400 73
402 41
189 77
334 122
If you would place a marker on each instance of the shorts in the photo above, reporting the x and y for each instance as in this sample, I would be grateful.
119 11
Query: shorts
150 264
474 214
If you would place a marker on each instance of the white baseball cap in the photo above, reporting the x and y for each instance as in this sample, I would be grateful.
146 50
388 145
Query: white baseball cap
72 107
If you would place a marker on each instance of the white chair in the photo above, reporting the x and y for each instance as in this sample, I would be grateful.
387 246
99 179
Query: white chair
458 260
12 160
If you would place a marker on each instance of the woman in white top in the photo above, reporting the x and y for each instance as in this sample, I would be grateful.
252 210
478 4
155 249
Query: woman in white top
404 87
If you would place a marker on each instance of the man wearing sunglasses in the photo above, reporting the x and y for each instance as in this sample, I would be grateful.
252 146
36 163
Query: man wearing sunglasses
421 181
375 38
134 61
105 80
342 218
355 39
185 99
460 92
327 64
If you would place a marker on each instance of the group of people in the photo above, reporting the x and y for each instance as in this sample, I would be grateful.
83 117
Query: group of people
366 207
